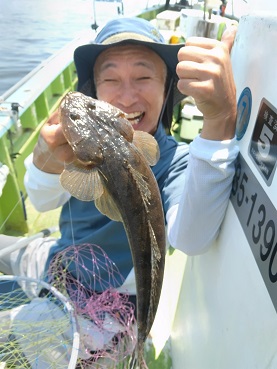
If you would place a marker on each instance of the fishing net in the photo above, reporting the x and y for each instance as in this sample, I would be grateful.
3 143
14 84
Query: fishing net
66 323
106 316
36 332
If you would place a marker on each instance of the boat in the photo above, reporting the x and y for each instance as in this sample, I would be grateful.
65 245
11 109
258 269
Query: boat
221 313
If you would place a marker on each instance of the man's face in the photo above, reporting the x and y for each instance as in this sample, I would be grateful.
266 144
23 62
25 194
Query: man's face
132 78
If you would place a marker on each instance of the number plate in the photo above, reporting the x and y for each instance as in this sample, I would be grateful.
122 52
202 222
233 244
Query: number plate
258 218
263 146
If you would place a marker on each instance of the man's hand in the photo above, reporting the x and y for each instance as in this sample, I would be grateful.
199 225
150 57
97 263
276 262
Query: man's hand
205 73
52 149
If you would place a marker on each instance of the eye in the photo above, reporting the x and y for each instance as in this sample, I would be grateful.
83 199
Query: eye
74 116
143 78
110 80
91 106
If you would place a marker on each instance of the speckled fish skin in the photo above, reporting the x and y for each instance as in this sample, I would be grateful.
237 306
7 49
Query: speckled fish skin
102 140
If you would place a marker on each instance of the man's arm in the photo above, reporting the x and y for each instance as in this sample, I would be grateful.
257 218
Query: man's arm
205 73
44 189
195 222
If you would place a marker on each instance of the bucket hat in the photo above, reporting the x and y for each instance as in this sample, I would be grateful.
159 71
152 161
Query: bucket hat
123 31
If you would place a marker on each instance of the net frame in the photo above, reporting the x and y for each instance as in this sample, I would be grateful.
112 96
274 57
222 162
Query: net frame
68 308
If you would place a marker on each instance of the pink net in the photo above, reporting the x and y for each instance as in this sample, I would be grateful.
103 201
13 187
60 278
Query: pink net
105 316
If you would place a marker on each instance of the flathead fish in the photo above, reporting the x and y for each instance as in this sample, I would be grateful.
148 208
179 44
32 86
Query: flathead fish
112 169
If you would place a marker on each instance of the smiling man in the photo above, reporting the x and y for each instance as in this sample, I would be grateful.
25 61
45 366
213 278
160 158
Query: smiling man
130 66
133 79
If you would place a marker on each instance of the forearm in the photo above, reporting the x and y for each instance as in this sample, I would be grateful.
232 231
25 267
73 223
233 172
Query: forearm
220 128
195 222
44 189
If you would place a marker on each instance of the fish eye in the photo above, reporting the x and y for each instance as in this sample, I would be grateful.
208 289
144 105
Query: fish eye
91 106
74 116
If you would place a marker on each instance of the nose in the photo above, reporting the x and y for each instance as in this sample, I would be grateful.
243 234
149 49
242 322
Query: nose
127 94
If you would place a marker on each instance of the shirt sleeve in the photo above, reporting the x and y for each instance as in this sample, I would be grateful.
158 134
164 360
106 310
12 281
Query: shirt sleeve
194 223
44 189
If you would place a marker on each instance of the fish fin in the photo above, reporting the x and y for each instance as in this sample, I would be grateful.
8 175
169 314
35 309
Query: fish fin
106 205
143 186
82 182
155 249
156 258
148 145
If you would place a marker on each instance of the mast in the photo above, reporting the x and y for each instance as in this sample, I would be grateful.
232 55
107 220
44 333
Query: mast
94 26
167 4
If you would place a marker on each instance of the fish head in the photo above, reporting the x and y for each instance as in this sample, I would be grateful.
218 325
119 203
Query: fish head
110 118
79 130
87 123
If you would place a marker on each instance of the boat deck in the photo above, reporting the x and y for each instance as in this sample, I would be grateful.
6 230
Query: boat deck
38 221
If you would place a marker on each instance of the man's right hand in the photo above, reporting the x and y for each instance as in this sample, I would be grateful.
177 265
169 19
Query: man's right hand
52 149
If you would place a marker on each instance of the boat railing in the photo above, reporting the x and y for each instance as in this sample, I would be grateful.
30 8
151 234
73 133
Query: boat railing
23 110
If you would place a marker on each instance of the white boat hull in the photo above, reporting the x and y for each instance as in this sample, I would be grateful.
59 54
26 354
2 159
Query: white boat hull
226 312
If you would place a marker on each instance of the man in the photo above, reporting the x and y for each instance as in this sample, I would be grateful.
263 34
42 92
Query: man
131 67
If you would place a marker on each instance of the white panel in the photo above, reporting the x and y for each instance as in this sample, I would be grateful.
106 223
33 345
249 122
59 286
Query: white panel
226 316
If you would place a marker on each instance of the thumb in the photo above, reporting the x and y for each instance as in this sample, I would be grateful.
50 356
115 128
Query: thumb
54 118
229 35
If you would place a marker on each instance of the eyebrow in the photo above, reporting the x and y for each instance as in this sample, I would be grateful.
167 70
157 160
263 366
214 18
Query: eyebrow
107 65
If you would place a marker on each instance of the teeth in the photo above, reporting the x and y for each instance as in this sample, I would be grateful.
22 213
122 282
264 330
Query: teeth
133 115
134 118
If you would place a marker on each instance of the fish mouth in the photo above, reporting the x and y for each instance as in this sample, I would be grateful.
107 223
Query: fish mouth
135 118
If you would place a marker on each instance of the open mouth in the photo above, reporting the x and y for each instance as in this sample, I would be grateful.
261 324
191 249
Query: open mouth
135 118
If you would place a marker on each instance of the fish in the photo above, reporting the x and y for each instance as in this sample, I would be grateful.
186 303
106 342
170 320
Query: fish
113 168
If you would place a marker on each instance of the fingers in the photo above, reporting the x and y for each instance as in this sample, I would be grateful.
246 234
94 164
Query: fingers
205 73
200 63
227 38
199 49
52 149
229 35
206 61
202 42
54 118
64 153
52 134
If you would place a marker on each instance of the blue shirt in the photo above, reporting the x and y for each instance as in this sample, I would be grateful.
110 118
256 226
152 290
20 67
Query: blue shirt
88 225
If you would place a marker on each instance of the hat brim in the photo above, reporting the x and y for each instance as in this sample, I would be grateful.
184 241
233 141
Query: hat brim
86 55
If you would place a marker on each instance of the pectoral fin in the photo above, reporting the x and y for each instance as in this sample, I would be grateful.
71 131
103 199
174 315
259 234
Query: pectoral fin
82 182
107 206
148 146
